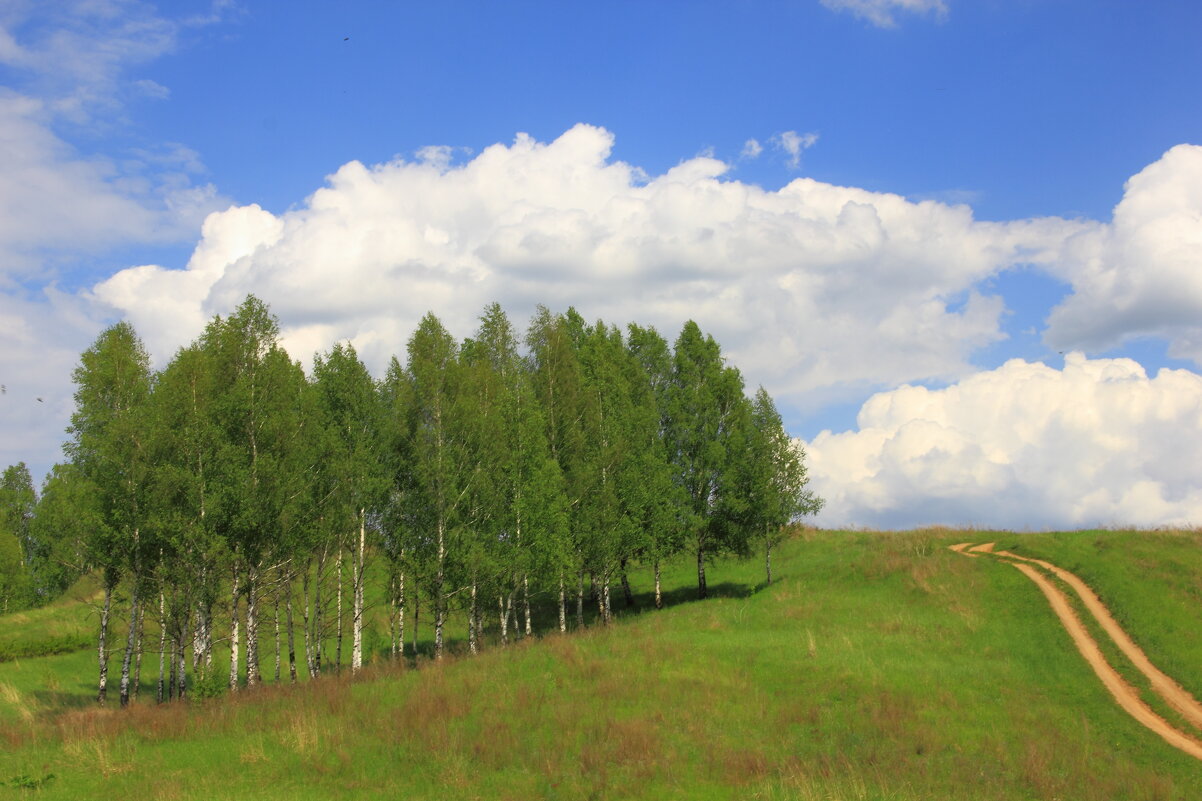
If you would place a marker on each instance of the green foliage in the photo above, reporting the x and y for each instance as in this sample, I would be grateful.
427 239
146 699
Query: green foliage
43 645
769 479
705 415
109 445
17 503
255 424
481 474
15 584
66 515
27 782
350 424
210 684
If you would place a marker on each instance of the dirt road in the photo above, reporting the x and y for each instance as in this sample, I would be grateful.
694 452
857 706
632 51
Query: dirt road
1126 696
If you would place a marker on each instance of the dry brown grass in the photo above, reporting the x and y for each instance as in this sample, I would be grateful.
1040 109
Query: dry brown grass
301 731
25 708
636 744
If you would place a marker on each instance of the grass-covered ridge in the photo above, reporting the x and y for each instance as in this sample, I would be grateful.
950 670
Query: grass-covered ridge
877 666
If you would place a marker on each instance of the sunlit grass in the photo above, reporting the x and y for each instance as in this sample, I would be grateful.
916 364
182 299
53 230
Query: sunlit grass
878 666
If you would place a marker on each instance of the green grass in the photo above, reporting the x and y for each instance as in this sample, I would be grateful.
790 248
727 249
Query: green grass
878 666
59 627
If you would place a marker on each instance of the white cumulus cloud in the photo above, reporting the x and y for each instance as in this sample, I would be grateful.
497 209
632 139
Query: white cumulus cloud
793 144
1096 443
751 149
1140 275
808 287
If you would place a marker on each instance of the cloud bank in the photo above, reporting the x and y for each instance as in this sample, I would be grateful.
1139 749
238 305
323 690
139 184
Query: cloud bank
1141 275
810 287
1096 443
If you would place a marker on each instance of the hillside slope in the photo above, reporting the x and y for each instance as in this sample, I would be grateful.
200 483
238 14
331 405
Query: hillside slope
878 666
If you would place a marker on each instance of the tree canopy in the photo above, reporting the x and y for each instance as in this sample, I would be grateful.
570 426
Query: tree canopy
483 472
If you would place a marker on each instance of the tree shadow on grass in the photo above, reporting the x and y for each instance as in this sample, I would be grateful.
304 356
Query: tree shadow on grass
545 615
59 700
679 596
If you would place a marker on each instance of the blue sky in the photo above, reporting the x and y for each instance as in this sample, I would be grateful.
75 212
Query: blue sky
865 201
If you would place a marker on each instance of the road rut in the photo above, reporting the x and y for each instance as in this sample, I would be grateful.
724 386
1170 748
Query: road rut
1126 695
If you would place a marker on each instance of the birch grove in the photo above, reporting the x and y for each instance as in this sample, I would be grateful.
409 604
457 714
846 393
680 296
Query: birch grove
518 473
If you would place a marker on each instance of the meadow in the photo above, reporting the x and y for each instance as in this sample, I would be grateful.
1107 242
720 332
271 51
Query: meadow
876 666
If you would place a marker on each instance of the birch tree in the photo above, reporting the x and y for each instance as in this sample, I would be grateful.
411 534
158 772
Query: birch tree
256 424
187 454
658 501
108 444
396 538
704 401
773 477
440 469
351 467
521 524
558 385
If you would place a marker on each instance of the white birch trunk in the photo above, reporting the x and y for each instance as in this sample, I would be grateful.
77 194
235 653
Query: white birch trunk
252 625
472 634
392 654
504 619
305 621
416 621
276 616
138 653
158 696
234 623
102 648
171 669
526 603
182 675
563 606
357 612
608 606
338 637
400 613
130 641
439 600
291 629
317 623
198 641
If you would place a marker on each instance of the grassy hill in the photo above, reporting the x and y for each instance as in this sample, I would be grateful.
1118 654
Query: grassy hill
878 666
